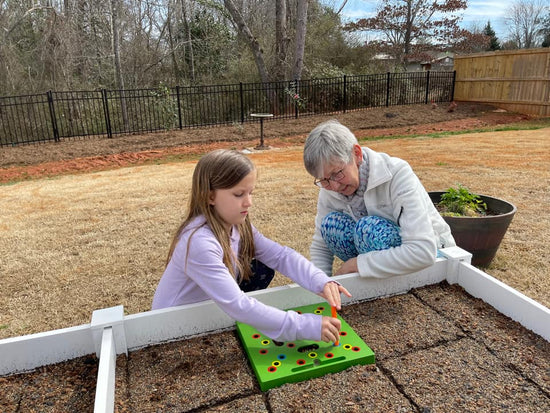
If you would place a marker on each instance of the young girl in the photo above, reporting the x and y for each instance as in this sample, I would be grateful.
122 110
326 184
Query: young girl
216 252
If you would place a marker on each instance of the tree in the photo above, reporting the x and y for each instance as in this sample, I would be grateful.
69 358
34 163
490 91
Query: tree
82 45
488 31
253 43
301 24
545 32
407 24
209 45
330 51
28 45
466 41
119 79
188 39
525 22
115 32
281 38
284 10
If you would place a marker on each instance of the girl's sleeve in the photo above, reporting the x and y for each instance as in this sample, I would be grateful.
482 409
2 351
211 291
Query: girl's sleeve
205 266
290 263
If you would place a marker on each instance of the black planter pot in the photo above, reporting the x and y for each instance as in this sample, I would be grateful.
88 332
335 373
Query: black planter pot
481 236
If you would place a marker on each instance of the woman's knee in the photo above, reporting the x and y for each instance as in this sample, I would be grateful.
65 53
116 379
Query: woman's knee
373 233
337 230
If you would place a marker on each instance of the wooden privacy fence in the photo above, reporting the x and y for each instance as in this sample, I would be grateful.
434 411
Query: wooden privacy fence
515 80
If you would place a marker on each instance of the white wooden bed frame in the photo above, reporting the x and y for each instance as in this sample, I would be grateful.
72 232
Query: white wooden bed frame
111 333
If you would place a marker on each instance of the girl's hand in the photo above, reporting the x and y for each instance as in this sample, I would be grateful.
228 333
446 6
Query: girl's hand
331 293
330 329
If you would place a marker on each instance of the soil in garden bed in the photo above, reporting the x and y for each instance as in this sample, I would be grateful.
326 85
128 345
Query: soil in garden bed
437 349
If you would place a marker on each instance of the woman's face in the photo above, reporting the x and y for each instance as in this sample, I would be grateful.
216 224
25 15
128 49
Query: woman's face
349 182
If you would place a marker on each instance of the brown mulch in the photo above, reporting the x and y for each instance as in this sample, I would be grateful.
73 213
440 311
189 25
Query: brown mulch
99 153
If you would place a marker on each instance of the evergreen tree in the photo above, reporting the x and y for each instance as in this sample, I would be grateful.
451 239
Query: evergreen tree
494 44
546 31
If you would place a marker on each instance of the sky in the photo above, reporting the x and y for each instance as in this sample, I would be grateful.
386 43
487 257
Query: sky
477 13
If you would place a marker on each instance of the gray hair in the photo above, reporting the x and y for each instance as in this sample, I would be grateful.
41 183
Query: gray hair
329 142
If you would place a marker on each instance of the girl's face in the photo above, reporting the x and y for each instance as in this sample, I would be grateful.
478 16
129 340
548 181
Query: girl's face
232 204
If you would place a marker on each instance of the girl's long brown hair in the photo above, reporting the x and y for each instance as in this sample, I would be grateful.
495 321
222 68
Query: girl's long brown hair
219 169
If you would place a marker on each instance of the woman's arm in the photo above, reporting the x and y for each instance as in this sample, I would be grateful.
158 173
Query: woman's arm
320 255
418 248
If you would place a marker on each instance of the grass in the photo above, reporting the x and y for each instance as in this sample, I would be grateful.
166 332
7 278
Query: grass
533 124
76 243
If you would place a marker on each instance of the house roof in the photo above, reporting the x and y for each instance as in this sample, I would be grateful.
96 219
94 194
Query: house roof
437 349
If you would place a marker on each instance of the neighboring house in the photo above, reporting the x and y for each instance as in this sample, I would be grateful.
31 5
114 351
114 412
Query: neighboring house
435 61
385 62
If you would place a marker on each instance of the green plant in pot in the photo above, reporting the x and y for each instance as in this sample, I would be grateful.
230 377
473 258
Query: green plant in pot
460 202
478 222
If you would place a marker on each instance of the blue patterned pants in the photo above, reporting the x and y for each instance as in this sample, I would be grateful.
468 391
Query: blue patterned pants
347 238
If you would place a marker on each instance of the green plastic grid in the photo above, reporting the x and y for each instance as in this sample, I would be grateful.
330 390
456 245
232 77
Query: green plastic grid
276 363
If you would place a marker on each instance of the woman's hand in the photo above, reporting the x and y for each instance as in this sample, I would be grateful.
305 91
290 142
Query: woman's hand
330 329
331 293
348 267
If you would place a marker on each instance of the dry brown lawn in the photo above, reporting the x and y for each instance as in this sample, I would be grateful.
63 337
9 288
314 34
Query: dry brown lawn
74 243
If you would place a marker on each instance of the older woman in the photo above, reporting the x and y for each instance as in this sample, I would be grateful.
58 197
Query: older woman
372 211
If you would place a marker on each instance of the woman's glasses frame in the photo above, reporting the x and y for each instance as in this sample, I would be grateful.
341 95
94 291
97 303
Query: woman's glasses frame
325 182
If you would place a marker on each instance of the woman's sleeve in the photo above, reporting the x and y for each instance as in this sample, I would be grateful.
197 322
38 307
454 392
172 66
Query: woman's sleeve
320 255
418 248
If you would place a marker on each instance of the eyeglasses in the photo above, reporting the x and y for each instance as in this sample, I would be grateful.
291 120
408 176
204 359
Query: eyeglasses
325 182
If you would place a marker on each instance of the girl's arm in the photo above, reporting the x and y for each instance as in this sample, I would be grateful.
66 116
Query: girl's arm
299 269
205 268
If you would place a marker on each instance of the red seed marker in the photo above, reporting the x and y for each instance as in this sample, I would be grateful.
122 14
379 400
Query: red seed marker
335 315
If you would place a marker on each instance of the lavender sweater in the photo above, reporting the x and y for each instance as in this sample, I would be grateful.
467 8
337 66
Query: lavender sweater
204 276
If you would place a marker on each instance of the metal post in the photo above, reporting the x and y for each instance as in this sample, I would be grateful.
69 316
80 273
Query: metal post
52 116
241 98
295 93
453 87
106 111
262 132
345 98
427 87
179 106
388 90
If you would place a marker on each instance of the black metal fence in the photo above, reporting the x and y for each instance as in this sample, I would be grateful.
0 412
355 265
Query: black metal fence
53 116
